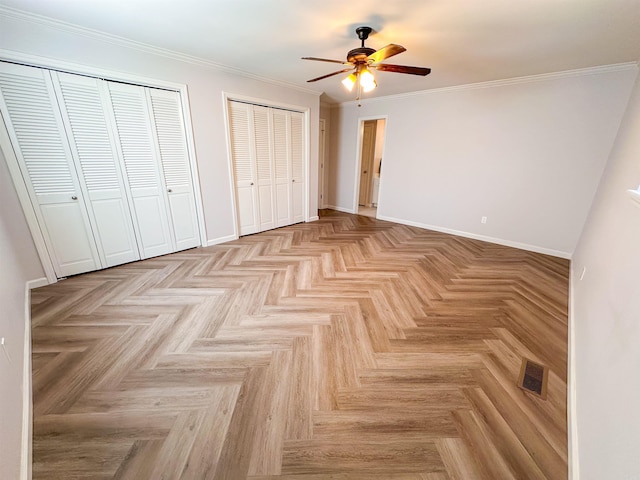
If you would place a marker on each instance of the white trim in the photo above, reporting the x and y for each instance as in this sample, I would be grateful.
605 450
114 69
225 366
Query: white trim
341 209
27 404
85 70
219 240
232 180
193 163
261 102
617 67
37 283
307 167
484 238
361 120
322 164
143 47
313 219
572 419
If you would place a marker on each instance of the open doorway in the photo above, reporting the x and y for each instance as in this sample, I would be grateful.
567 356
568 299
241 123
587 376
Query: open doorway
372 134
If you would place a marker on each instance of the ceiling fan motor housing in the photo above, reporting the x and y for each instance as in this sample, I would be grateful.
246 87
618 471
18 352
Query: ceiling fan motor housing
359 55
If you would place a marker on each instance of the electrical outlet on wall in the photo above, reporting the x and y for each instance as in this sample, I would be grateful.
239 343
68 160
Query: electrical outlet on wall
483 220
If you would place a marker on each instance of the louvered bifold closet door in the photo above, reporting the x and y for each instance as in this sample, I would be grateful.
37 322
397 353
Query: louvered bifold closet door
93 148
297 166
34 124
136 147
282 167
263 155
168 128
242 151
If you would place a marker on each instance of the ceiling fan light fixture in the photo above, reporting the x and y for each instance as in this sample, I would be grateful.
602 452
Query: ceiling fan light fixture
367 80
350 81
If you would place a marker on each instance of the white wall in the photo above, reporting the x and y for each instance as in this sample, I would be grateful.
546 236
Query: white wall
18 264
606 316
527 154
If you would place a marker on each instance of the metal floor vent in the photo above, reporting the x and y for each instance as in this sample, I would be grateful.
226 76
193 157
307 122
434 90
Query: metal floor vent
533 378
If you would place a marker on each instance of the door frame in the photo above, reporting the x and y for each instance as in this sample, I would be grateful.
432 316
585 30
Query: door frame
229 97
358 162
109 75
322 164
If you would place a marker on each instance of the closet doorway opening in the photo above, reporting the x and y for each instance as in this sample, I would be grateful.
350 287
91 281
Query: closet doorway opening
371 148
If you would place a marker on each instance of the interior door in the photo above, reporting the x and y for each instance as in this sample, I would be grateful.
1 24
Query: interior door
99 174
243 167
169 133
366 162
145 182
33 121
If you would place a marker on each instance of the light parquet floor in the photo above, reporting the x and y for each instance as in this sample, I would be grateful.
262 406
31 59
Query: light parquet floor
347 348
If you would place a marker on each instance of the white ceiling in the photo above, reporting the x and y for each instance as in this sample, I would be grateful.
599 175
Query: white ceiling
463 41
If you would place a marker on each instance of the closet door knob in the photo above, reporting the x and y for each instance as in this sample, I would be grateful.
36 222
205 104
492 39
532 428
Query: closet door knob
251 183
293 180
169 190
74 198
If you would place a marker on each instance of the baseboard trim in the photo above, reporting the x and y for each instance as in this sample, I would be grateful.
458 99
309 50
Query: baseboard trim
340 209
219 240
572 421
484 238
27 404
314 219
36 283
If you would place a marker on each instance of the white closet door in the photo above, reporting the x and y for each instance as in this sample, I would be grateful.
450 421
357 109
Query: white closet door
98 167
33 121
243 167
282 167
168 127
263 155
144 177
297 166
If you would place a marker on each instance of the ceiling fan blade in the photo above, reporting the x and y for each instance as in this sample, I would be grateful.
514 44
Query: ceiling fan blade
326 60
386 52
330 74
386 67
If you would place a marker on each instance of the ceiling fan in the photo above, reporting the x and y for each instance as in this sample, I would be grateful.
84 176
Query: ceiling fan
362 59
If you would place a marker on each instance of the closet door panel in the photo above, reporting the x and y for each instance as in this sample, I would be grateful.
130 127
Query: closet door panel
263 155
243 167
282 167
168 127
81 104
33 121
74 249
146 186
297 166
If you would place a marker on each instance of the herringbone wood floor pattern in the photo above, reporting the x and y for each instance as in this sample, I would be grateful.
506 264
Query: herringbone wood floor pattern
348 348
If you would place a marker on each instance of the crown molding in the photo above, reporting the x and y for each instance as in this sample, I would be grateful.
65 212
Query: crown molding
66 27
617 67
